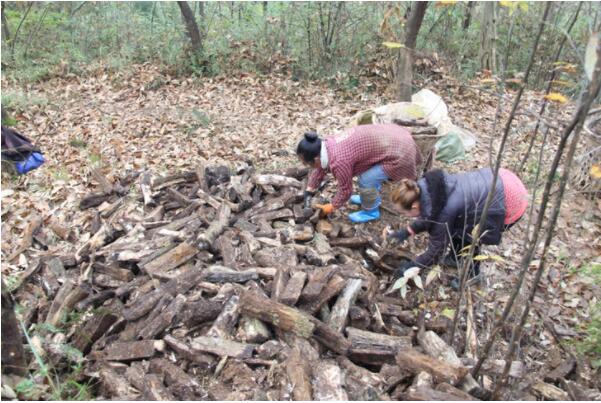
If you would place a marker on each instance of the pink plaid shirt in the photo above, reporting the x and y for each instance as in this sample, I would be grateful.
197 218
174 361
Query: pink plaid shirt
359 148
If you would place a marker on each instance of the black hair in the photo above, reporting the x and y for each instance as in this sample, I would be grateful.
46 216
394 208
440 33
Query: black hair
309 147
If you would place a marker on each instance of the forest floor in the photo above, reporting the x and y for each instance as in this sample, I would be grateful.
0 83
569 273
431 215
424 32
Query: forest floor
145 119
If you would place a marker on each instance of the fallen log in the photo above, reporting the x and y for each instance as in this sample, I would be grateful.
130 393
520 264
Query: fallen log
339 314
292 292
129 350
416 362
299 376
222 347
375 348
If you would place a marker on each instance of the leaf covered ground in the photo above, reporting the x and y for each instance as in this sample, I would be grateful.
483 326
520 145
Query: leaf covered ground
146 119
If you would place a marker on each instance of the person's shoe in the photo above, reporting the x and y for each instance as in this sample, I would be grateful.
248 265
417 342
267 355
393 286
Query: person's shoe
364 216
356 199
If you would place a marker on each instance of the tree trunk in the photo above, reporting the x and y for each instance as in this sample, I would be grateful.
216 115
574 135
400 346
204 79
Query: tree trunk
487 53
5 30
191 26
467 20
13 357
405 66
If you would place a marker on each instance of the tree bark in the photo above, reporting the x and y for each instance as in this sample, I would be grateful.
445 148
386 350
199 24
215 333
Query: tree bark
13 356
5 29
467 19
487 53
405 64
191 26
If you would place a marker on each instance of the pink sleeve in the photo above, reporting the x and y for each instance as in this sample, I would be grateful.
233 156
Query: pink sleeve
316 177
344 177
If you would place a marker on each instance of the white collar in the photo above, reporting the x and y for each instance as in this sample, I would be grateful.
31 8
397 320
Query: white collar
323 155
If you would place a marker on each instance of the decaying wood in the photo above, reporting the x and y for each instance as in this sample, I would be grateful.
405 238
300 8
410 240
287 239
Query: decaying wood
561 371
164 319
549 392
227 319
179 382
196 312
116 385
130 350
317 281
206 239
93 330
276 180
299 375
339 314
172 259
66 298
292 292
27 238
13 356
355 242
150 385
450 389
222 347
442 371
252 330
221 274
333 287
375 348
187 352
427 394
290 319
328 382
279 283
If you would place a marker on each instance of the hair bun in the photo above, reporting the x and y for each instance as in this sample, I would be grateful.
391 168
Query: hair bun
311 137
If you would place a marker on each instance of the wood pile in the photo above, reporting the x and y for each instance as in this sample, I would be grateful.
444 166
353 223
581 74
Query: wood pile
218 284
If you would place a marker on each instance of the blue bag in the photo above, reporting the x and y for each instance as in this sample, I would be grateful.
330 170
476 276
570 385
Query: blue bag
35 160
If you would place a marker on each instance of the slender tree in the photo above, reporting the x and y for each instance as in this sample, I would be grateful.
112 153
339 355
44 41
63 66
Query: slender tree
5 29
191 26
405 63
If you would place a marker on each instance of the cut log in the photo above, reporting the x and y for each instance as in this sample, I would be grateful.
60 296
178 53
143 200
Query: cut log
94 200
172 259
145 190
279 284
339 314
27 238
549 392
437 348
450 389
299 375
425 393
129 350
164 319
221 274
293 289
92 330
222 347
179 382
407 317
197 312
442 371
328 382
113 271
561 371
355 242
252 330
360 383
282 316
277 180
186 352
375 348
206 239
66 298
273 215
150 385
327 292
227 319
115 384
317 281
290 319
13 355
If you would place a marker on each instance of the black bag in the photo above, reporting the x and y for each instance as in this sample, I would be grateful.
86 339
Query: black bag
18 150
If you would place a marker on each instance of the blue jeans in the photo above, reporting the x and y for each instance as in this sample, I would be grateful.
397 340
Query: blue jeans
372 180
